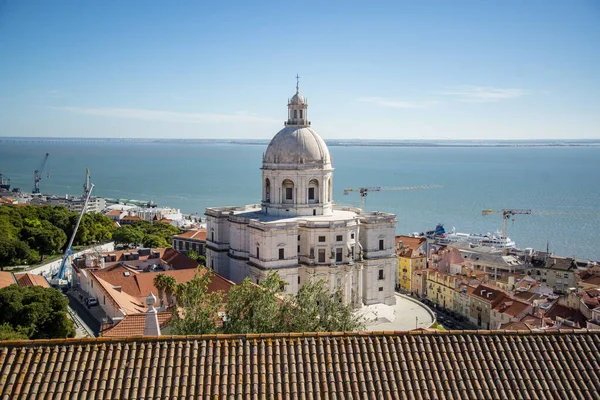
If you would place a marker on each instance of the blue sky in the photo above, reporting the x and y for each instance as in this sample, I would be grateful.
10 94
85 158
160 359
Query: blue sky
389 70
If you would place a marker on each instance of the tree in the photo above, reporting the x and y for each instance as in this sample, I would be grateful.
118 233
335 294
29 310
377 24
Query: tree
191 253
40 313
154 241
197 309
7 332
252 308
160 285
128 234
170 288
316 309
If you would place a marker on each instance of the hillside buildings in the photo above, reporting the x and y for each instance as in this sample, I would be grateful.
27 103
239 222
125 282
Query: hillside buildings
297 230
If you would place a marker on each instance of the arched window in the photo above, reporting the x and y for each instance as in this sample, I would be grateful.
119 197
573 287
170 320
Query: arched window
267 190
300 114
313 191
295 114
288 191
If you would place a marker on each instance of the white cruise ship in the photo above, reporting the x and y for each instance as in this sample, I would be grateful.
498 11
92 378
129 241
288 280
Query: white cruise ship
496 240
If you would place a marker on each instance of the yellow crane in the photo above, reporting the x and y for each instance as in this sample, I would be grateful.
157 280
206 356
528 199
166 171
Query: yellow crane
365 190
507 214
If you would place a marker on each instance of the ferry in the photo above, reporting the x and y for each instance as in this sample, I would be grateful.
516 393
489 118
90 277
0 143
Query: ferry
496 240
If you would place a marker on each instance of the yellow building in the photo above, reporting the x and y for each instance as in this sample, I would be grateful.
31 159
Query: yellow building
411 258
441 289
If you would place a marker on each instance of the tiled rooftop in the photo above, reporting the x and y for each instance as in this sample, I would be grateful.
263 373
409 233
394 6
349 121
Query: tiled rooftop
7 279
28 279
133 325
196 234
391 365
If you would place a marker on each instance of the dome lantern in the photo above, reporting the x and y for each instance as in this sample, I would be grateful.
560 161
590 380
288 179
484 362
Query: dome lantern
297 108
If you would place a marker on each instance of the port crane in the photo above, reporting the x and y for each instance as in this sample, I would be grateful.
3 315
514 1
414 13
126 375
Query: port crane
37 175
58 279
364 191
506 215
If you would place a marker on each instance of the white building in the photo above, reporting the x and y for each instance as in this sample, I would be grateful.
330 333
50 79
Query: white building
74 203
297 230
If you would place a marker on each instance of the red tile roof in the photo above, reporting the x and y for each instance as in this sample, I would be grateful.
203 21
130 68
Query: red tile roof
114 212
133 325
375 365
195 234
7 279
139 284
28 279
131 218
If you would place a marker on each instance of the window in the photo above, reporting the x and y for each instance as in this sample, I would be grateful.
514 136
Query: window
381 288
298 249
380 244
352 235
212 236
187 245
180 245
321 255
289 193
258 252
300 113
295 113
311 193
321 239
338 254
312 252
352 248
380 274
298 280
281 254
298 237
339 238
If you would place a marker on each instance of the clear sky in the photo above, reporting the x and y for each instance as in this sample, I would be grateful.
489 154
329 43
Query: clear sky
223 69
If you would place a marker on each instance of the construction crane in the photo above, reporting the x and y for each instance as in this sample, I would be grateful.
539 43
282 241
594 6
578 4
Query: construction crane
37 175
58 279
86 184
364 191
506 215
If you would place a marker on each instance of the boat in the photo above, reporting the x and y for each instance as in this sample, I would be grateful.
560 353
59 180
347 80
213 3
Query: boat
496 240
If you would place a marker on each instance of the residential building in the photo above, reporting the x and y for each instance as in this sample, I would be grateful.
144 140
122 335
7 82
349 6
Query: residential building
559 273
508 310
412 256
73 203
483 299
297 231
441 288
194 239
494 263
23 279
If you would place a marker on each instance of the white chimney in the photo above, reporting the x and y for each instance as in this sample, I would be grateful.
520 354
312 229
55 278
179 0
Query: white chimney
151 328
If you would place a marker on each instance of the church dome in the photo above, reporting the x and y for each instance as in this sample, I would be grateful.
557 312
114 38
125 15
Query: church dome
297 99
297 147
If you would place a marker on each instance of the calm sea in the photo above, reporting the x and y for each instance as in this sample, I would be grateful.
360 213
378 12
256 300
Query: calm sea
560 184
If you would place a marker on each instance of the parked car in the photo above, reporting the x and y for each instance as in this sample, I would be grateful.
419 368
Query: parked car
91 301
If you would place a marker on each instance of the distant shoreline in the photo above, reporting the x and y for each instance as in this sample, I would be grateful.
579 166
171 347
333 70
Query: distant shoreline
331 143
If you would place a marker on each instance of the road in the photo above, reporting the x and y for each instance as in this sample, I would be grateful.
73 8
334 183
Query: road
84 314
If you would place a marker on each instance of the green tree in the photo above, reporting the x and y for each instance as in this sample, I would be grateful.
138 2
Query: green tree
316 309
7 332
44 237
191 253
127 235
154 241
252 308
197 309
160 284
39 312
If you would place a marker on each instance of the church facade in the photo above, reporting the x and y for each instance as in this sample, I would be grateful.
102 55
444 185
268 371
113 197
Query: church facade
297 230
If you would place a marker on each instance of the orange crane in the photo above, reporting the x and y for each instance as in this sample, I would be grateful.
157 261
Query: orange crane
36 175
506 215
365 190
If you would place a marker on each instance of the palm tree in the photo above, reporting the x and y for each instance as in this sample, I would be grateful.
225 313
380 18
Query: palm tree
170 288
161 284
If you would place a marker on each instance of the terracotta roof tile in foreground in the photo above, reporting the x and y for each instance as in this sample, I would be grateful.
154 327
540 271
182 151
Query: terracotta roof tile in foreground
364 365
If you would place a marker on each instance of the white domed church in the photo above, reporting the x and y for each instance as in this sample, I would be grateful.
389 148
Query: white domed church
297 230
